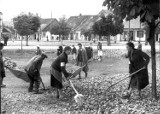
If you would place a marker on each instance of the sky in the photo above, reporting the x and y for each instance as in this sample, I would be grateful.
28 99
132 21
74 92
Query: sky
46 8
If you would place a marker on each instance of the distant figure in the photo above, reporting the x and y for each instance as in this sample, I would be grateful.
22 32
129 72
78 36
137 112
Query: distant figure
59 50
100 53
91 49
74 51
38 52
139 46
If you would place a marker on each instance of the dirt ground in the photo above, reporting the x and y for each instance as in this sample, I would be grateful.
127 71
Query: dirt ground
16 99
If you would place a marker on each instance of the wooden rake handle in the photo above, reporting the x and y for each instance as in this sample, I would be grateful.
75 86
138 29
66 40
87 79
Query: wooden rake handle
73 87
127 77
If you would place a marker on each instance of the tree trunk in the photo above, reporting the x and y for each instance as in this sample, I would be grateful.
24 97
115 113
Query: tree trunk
153 56
27 40
108 41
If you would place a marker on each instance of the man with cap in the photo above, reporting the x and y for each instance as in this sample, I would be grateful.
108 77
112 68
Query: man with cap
82 60
38 52
33 72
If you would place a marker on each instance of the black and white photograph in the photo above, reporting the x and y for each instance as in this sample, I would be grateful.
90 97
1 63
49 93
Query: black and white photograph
80 56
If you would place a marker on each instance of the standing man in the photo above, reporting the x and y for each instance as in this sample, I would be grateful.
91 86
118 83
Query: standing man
33 72
138 60
38 52
139 46
74 51
91 49
82 60
2 71
100 53
57 68
59 50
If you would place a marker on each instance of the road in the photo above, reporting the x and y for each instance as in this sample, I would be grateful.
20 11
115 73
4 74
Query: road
53 45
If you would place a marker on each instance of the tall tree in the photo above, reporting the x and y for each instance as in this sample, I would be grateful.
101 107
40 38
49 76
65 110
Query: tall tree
87 33
26 24
108 26
148 10
62 28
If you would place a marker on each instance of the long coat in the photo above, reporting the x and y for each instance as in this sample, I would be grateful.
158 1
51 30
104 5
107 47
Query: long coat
84 61
138 59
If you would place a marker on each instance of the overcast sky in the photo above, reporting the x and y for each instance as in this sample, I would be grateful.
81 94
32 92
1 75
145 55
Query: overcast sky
12 8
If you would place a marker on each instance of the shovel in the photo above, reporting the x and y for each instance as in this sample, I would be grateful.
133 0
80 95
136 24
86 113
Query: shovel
79 98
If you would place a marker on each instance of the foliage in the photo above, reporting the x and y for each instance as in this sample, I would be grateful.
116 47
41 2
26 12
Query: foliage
108 26
148 10
61 28
26 24
86 33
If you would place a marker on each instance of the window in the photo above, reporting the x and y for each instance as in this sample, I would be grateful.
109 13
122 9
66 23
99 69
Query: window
140 34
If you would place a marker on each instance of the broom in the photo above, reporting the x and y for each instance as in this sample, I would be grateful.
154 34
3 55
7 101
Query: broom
79 98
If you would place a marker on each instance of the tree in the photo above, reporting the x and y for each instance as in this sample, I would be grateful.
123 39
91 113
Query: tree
26 24
148 10
87 33
108 26
62 29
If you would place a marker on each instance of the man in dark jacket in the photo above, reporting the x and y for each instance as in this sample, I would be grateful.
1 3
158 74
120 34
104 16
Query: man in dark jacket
57 68
74 51
82 60
33 72
138 60
59 50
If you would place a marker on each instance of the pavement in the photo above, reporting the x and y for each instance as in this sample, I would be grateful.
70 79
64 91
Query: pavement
53 45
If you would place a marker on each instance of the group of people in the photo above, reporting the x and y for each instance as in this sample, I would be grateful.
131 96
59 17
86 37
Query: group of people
137 60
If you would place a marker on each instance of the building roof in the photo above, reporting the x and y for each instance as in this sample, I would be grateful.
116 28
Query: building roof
45 23
134 24
82 21
85 21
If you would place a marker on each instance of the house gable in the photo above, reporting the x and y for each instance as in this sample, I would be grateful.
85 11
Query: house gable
47 24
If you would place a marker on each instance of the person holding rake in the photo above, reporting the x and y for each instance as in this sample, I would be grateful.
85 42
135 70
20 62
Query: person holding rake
137 60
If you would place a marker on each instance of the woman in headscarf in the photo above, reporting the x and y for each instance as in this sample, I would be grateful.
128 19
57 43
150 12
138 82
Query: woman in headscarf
138 60
57 68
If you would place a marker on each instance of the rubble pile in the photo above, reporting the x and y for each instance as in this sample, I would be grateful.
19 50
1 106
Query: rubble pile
8 62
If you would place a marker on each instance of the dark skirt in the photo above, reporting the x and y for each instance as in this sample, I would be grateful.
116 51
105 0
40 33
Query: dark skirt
55 83
139 80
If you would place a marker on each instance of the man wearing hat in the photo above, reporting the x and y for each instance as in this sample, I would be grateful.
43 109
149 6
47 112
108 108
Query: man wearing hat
82 60
33 72
38 52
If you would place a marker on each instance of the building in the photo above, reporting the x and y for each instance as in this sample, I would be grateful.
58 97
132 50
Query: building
79 23
45 28
136 30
